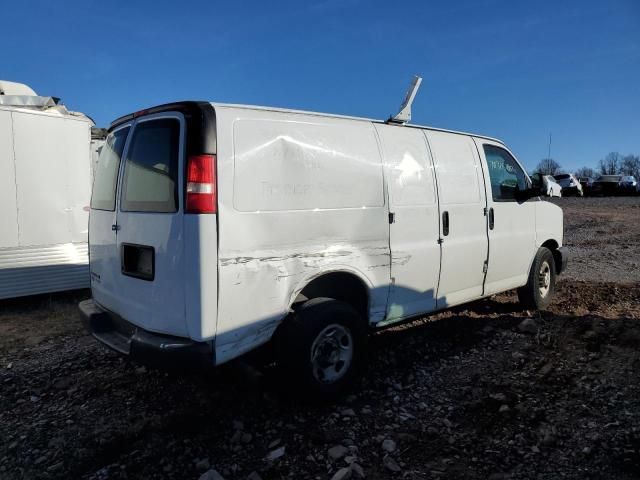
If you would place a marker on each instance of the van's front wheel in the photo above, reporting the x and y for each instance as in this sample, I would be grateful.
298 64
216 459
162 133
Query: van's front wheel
538 291
321 346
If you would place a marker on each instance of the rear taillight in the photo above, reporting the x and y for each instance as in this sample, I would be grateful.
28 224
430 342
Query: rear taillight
202 196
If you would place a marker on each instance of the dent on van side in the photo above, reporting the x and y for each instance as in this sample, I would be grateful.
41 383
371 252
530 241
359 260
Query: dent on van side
215 229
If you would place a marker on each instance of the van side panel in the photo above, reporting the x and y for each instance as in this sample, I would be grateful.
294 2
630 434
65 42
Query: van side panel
282 166
299 195
549 224
461 195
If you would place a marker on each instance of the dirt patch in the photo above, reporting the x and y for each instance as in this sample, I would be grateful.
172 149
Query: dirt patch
33 320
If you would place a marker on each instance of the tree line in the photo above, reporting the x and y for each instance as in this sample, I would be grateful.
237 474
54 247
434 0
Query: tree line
613 164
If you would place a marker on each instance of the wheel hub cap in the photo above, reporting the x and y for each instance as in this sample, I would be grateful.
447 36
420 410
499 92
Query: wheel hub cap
331 353
544 279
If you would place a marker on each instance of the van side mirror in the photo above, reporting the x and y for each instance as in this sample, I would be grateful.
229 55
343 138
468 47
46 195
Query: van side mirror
537 183
527 193
536 180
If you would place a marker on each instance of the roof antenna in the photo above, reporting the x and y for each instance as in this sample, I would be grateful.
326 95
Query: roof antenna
404 115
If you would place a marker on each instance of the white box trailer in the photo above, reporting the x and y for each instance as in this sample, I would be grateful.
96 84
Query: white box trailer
45 189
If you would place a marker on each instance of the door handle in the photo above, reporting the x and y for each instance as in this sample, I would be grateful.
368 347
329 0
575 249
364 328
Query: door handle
491 219
445 223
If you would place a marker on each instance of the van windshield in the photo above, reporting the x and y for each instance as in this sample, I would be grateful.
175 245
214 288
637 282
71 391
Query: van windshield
103 196
150 182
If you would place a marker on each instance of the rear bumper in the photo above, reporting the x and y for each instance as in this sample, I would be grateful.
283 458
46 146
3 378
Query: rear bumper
562 259
141 345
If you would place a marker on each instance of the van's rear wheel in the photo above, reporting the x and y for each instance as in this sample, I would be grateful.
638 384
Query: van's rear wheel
320 347
538 291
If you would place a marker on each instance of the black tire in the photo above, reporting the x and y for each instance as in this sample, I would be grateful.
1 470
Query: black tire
309 329
539 290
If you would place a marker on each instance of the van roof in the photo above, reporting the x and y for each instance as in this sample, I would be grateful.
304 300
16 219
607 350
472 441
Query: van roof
177 105
347 117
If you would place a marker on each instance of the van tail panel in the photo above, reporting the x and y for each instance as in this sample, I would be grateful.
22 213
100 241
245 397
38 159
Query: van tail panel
201 275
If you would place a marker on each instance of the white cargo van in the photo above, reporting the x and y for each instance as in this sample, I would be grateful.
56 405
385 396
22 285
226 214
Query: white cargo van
215 229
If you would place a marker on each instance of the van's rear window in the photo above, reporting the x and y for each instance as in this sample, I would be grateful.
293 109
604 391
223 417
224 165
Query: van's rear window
103 196
150 182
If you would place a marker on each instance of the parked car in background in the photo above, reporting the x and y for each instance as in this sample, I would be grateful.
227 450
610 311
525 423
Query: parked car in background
607 185
552 188
570 184
628 185
587 185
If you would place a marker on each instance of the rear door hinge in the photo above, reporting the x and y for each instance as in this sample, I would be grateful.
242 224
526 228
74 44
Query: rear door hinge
392 217
485 267
440 241
484 211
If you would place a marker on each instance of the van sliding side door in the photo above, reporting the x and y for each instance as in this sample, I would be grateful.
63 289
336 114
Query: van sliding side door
413 229
463 225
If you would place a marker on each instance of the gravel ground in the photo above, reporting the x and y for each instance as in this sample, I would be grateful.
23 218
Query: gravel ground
484 391
603 235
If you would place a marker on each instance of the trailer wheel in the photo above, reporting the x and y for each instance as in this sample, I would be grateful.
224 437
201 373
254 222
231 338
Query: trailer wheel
540 287
320 348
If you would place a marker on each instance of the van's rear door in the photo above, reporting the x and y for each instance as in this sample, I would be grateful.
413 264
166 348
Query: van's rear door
103 252
149 227
147 234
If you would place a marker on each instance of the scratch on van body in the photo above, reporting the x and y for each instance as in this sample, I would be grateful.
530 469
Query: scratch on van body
287 275
401 258
371 267
240 260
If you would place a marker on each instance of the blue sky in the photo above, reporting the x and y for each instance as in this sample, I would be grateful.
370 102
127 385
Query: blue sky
513 70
